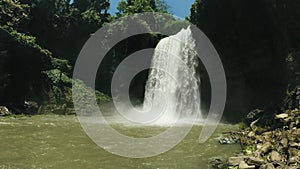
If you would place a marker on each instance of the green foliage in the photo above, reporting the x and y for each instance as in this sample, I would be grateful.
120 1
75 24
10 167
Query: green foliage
101 6
61 100
91 16
63 27
84 97
161 6
196 9
84 93
242 125
61 64
57 80
101 98
65 106
92 12
127 7
57 77
12 12
248 150
134 6
25 40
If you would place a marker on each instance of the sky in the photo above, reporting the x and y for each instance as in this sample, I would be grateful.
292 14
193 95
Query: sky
180 8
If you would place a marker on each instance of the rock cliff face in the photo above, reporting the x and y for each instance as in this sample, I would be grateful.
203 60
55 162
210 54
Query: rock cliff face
254 39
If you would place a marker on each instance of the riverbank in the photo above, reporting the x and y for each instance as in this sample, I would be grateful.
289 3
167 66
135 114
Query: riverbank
272 139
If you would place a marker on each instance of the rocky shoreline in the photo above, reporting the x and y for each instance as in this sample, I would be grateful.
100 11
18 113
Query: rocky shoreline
272 140
279 148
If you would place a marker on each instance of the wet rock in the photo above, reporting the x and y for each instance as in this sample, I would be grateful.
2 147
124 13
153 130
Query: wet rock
293 160
218 164
293 144
234 161
31 107
282 116
251 134
296 132
229 140
292 125
244 165
294 156
294 152
267 166
295 112
268 133
259 146
4 111
292 167
255 161
275 156
265 148
284 142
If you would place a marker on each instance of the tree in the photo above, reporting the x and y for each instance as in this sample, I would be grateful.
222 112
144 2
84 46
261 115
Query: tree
95 10
13 13
127 7
28 71
162 6
63 27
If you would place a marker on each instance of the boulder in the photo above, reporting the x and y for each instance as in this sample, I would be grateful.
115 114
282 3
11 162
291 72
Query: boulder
267 166
244 165
234 161
275 156
265 148
284 142
268 133
4 111
293 144
282 116
255 161
294 155
296 132
294 152
251 134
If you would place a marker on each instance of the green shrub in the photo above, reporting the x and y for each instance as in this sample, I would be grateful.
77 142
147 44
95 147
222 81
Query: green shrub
242 125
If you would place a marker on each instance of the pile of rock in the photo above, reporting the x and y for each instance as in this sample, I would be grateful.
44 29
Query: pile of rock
272 139
290 118
268 148
244 162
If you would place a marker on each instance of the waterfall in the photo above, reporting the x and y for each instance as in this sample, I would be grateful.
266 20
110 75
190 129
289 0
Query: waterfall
173 82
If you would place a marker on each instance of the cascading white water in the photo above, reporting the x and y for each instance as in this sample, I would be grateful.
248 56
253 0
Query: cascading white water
173 79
